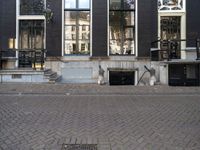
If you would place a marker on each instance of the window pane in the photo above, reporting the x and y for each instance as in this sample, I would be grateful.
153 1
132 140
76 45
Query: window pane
38 38
128 47
129 4
84 47
70 4
70 17
128 18
31 7
84 4
115 4
70 47
115 32
115 18
115 47
84 34
191 72
170 5
70 32
129 33
84 18
31 34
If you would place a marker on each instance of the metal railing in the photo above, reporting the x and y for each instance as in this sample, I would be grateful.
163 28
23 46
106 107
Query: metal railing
27 58
171 49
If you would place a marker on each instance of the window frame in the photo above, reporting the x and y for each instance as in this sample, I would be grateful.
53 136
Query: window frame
78 28
183 9
123 28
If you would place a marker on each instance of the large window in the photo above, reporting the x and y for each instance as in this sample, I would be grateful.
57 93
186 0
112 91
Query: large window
77 27
31 7
122 27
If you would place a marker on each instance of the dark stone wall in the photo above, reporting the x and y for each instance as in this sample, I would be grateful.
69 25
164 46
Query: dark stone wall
7 22
147 26
99 28
193 21
54 29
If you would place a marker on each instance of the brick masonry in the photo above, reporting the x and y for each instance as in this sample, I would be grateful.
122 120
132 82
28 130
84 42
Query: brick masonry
114 121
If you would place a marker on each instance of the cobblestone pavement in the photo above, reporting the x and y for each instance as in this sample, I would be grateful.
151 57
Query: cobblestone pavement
32 120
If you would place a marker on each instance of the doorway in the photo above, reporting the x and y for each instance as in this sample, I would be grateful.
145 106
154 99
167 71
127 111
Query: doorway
184 74
31 38
170 29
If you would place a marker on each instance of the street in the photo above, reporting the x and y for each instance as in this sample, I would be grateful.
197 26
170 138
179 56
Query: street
46 121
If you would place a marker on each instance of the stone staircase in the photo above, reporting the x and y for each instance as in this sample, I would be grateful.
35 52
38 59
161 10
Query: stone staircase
52 76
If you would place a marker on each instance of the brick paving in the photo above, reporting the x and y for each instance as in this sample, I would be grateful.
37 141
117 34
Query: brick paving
39 117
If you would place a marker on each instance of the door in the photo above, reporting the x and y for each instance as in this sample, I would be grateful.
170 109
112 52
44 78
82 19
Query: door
31 37
170 30
184 74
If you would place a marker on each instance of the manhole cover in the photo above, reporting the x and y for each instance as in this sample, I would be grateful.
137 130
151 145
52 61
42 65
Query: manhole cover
79 147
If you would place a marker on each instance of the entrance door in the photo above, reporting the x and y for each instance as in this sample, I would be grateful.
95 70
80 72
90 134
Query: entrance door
31 37
184 74
170 30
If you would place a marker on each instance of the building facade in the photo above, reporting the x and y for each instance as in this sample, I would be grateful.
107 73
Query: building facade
69 40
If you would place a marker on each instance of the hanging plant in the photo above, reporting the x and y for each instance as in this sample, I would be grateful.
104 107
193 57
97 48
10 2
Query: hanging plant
48 15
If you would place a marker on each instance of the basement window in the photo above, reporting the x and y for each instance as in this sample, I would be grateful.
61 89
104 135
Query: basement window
16 76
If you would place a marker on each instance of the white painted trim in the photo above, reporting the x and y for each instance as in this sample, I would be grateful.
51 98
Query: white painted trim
31 17
17 32
108 27
91 26
63 31
136 28
136 77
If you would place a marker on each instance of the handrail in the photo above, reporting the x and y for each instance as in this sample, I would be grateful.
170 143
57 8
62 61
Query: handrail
26 57
172 48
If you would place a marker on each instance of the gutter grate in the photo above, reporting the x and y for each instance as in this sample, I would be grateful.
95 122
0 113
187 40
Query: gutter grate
79 147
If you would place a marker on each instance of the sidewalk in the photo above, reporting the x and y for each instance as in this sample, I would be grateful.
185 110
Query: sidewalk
93 89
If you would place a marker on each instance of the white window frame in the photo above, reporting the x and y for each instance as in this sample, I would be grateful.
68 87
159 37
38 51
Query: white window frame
135 53
63 33
173 11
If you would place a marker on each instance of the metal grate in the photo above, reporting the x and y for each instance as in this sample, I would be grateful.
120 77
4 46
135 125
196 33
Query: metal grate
79 147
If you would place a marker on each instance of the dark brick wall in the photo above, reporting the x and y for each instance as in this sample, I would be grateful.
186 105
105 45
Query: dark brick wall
54 29
147 26
193 20
7 22
99 28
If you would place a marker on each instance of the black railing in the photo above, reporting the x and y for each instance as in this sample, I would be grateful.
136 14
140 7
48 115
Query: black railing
171 49
27 58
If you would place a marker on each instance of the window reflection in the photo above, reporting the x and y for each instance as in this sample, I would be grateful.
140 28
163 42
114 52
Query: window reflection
115 4
70 17
31 34
77 27
31 7
77 4
84 4
129 4
70 3
122 27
